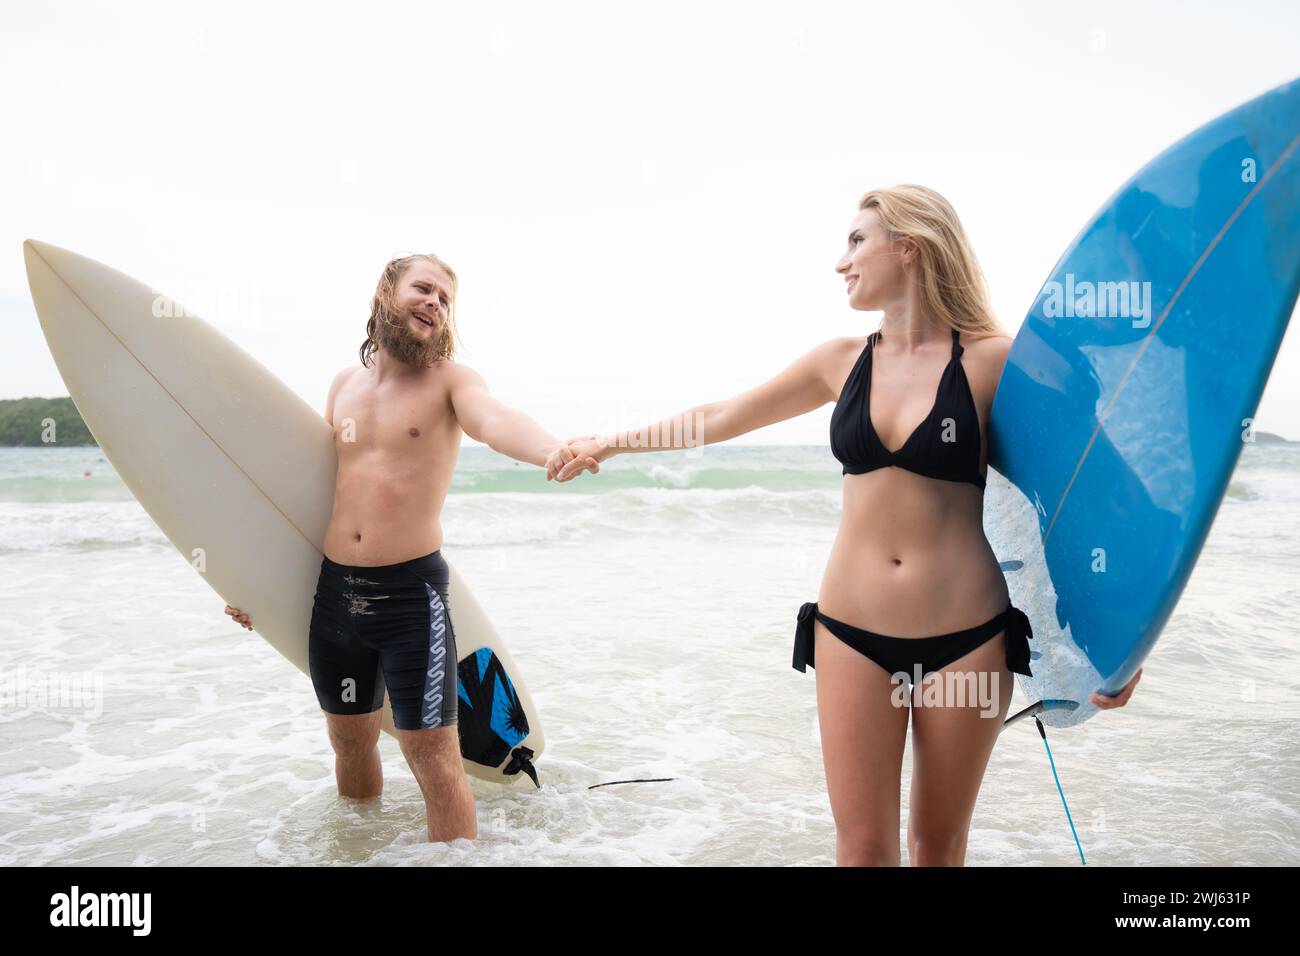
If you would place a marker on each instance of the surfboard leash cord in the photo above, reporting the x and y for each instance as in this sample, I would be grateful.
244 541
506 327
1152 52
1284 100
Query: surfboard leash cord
1033 710
1042 732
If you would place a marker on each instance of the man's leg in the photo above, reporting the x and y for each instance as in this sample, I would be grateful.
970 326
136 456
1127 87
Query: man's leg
357 768
348 681
434 758
420 670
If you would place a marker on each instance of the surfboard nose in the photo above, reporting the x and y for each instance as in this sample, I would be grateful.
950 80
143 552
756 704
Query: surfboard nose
48 251
37 262
34 251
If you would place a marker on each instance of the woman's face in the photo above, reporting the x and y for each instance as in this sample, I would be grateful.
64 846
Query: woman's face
873 265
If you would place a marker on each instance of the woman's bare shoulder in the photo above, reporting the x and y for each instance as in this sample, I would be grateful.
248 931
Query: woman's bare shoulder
995 342
990 348
987 357
845 343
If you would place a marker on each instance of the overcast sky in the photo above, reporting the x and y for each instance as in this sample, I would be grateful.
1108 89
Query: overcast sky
644 202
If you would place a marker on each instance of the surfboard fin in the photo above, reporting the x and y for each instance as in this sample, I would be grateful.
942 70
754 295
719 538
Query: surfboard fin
1041 707
521 759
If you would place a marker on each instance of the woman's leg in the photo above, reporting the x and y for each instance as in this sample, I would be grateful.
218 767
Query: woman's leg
951 746
863 735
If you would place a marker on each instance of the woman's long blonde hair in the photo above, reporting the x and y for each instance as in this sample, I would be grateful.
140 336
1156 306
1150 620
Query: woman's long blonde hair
383 310
953 284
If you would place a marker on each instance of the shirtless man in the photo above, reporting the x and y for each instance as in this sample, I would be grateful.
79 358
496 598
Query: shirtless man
381 616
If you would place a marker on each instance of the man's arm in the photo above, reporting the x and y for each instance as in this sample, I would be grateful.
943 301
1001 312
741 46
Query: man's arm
339 379
502 428
240 617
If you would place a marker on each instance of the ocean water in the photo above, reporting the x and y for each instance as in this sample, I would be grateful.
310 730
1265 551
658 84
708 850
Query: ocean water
652 610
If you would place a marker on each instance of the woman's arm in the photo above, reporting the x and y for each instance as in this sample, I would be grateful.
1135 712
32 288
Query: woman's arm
800 388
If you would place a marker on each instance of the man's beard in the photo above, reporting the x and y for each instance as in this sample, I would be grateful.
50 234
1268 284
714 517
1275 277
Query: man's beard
397 339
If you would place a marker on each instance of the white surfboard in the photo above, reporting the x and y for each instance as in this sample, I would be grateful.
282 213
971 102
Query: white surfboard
238 472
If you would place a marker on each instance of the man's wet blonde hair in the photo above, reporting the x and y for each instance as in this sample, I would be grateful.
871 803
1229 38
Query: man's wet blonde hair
382 308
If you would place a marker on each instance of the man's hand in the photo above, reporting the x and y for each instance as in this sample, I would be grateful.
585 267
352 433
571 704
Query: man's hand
587 453
240 617
1120 699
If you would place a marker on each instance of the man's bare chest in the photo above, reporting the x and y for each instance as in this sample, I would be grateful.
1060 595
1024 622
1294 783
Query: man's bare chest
413 420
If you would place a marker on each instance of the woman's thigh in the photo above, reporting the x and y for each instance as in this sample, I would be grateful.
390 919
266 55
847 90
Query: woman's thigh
863 732
951 745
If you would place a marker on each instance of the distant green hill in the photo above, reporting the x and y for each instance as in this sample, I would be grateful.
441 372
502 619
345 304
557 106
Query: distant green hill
21 422
1268 438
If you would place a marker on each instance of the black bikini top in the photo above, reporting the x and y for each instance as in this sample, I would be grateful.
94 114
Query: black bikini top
946 445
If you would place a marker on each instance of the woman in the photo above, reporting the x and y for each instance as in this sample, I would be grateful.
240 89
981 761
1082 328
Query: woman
912 582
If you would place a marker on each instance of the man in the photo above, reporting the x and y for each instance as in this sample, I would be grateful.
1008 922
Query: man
381 616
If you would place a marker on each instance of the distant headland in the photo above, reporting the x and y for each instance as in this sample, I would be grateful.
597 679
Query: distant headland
33 422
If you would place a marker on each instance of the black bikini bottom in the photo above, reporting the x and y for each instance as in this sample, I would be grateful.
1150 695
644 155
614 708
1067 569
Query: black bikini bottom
902 654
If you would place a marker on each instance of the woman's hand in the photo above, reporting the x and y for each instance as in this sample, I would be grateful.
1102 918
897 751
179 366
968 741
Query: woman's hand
561 456
567 453
588 452
239 616
1120 699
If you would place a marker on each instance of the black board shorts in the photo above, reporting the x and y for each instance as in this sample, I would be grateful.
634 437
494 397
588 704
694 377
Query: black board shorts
386 626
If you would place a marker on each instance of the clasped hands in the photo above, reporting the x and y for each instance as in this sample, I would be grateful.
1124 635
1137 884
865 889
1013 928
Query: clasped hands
577 455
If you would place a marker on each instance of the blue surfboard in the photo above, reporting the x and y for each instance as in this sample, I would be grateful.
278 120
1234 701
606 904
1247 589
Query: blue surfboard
1130 389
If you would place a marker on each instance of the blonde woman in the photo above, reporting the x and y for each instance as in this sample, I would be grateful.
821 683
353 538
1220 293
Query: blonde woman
912 586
